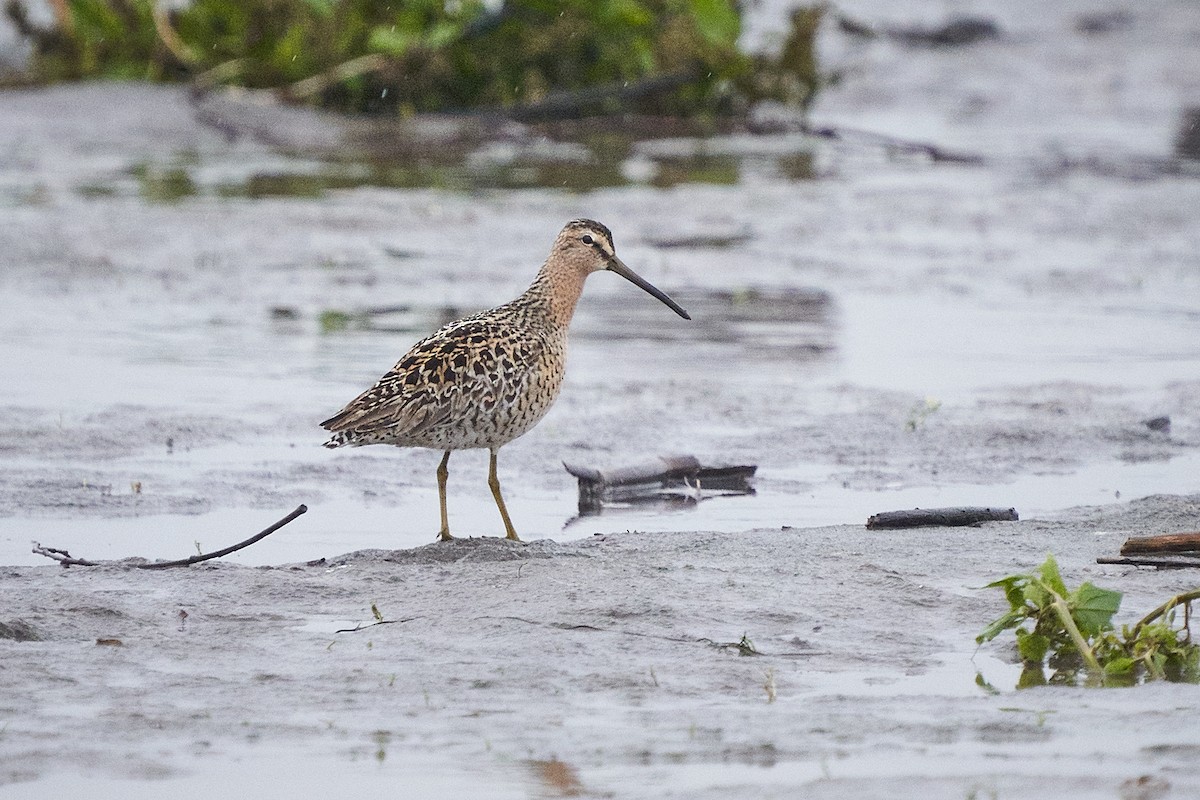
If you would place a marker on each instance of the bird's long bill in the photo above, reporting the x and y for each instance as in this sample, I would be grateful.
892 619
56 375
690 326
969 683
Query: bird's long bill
618 266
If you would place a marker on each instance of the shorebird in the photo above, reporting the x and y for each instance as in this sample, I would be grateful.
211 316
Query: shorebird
488 378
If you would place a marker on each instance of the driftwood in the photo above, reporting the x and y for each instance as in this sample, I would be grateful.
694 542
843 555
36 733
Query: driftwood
1164 543
940 517
662 478
67 560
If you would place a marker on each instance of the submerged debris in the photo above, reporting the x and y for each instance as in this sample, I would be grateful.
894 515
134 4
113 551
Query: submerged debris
18 630
1159 424
1187 142
662 479
956 32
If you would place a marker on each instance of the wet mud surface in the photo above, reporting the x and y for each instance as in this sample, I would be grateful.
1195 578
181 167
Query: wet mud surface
611 664
179 310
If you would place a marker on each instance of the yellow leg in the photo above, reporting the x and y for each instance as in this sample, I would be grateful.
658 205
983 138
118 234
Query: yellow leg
494 483
442 474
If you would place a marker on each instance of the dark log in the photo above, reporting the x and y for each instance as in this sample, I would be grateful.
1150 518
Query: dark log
940 517
661 478
1164 543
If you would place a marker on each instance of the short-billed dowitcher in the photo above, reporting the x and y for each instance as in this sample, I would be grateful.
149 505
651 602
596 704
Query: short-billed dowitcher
488 378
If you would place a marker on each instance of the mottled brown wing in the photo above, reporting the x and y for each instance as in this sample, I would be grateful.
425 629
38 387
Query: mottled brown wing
433 384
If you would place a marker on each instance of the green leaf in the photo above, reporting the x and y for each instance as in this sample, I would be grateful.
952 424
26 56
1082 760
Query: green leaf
619 15
1051 576
1032 646
717 21
322 8
96 20
998 626
1013 589
982 683
1093 608
1158 662
443 33
391 40
1120 666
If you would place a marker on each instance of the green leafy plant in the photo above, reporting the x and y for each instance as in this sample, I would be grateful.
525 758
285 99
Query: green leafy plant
545 59
1071 633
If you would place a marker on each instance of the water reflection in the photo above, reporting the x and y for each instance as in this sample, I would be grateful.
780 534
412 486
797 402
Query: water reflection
613 163
799 322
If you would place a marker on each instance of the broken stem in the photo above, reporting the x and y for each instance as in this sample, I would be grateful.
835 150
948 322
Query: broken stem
1096 672
1179 599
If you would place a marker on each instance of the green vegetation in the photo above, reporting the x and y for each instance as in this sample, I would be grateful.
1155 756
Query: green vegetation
1071 632
920 412
532 58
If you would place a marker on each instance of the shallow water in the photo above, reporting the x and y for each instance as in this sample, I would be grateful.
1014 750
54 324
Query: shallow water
1116 366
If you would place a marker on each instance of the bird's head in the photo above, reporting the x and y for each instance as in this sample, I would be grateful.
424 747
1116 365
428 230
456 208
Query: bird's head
587 245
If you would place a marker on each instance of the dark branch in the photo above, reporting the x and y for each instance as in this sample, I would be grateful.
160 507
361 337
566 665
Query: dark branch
62 556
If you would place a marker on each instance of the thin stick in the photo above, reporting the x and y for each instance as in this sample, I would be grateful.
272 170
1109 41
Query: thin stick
1161 563
65 558
361 627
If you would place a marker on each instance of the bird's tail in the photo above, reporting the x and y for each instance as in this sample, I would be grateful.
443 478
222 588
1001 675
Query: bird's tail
338 439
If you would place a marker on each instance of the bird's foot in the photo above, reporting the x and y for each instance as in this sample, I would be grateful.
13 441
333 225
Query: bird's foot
444 536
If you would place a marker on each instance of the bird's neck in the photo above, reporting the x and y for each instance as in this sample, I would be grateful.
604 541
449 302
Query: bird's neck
557 290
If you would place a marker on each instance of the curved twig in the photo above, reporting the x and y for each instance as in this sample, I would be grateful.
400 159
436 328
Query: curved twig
67 560
315 84
171 39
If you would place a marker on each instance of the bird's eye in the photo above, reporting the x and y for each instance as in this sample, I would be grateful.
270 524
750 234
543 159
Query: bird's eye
586 239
